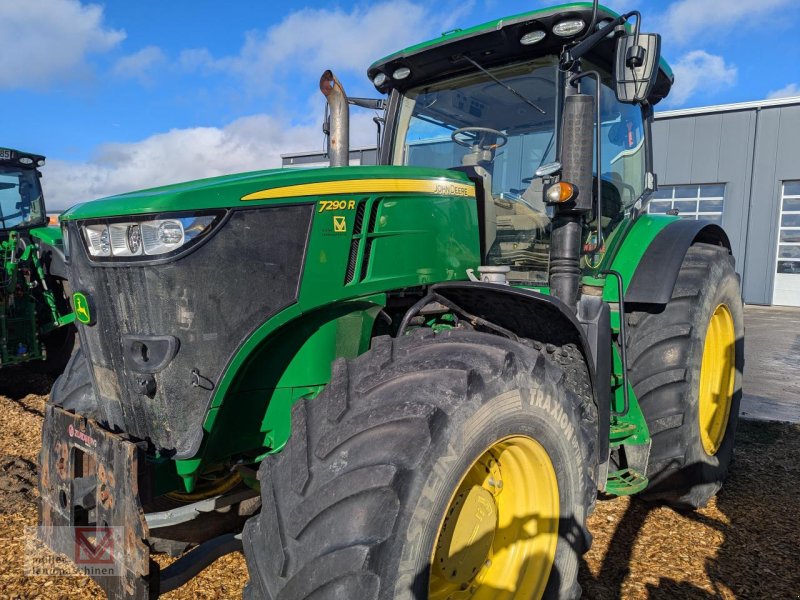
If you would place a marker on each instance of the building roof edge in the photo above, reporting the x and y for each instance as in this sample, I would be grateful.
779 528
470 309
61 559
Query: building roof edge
702 110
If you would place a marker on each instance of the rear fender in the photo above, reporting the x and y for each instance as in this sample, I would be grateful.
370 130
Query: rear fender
657 268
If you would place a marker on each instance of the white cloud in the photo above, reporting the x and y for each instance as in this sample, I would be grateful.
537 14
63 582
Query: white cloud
312 40
139 64
247 144
688 20
49 40
305 43
699 71
196 58
791 89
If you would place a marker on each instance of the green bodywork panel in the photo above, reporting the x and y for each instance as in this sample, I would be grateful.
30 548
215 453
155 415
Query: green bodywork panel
625 249
416 239
49 235
226 191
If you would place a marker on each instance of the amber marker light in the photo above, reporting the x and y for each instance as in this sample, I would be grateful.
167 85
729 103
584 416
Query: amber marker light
560 192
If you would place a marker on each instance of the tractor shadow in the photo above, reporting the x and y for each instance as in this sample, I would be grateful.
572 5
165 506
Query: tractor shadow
756 518
18 382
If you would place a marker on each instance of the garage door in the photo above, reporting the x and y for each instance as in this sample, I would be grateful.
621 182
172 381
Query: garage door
787 270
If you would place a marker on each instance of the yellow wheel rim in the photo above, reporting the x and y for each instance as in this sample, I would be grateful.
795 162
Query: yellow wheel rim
499 534
717 374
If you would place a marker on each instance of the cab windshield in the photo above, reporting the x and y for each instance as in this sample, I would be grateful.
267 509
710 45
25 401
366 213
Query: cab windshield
502 128
430 115
20 197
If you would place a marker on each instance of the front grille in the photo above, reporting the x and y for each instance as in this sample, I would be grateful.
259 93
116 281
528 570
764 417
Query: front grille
210 300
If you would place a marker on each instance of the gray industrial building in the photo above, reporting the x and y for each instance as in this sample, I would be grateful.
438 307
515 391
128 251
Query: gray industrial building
736 164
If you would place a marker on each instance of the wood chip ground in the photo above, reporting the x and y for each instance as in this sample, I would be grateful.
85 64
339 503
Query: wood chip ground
744 545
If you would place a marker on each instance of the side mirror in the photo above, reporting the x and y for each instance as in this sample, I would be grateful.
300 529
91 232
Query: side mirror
636 66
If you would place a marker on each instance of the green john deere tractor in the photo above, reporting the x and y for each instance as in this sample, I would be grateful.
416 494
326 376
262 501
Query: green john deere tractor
407 380
35 315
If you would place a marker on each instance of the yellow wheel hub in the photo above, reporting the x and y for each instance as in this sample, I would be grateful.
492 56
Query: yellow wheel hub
499 533
717 374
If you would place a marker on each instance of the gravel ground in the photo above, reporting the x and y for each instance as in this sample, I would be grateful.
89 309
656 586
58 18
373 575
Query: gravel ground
744 545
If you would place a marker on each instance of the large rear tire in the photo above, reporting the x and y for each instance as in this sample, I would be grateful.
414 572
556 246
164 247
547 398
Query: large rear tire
435 465
686 363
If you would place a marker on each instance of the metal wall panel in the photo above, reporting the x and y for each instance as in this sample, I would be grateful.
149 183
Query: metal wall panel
735 170
680 143
761 243
705 149
712 148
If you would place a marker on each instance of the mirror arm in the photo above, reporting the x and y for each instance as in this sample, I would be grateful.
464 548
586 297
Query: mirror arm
584 46
369 103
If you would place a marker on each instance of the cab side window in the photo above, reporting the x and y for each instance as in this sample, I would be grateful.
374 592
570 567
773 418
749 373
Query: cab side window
623 150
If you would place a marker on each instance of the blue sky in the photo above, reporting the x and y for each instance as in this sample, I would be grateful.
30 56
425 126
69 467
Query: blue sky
123 95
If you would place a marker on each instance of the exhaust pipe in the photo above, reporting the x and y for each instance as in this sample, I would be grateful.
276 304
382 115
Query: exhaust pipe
577 133
339 123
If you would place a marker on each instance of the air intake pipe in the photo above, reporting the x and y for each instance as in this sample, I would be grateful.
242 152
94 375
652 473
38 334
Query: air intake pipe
577 133
339 121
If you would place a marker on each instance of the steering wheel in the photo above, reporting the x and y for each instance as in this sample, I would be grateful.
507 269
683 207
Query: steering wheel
502 138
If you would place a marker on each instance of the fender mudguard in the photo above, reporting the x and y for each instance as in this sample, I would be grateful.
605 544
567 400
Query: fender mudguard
657 271
545 318
527 313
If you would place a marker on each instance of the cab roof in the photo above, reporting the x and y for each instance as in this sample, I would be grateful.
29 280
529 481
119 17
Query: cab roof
20 158
497 43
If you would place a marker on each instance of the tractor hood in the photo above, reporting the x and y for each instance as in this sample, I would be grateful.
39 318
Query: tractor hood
159 329
259 187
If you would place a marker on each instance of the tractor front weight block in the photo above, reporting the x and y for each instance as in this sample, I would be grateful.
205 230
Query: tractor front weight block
90 489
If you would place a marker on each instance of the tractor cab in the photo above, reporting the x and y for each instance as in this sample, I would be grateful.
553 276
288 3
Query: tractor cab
21 200
34 312
490 103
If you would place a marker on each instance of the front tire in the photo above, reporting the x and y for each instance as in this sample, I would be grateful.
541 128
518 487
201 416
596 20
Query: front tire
686 363
434 465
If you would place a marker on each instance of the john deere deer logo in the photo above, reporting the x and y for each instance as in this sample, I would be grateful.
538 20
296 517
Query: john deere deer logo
82 311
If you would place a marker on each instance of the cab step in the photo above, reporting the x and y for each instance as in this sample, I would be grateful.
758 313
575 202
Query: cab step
625 482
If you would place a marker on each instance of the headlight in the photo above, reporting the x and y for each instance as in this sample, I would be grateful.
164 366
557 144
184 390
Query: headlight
569 27
153 237
97 239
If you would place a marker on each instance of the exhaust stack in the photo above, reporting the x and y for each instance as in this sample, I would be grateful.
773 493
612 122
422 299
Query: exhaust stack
339 123
577 133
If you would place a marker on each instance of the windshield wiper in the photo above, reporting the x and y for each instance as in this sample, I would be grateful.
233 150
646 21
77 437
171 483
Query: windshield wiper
505 85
